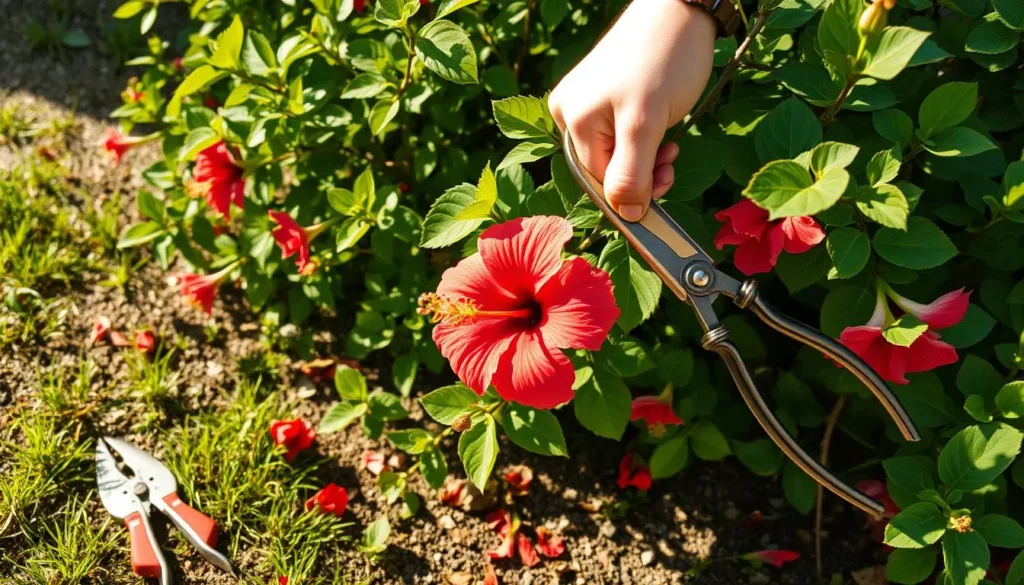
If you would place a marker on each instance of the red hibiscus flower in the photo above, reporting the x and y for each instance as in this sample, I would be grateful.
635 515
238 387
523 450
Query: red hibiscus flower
519 479
772 557
504 313
633 473
548 544
217 178
116 144
332 499
759 242
294 239
655 411
200 289
294 435
374 462
145 341
100 326
925 352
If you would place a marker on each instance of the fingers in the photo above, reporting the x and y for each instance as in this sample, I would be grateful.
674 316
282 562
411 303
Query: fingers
664 173
592 134
630 177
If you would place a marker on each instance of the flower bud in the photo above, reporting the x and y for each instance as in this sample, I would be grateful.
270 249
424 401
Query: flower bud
961 524
873 20
462 423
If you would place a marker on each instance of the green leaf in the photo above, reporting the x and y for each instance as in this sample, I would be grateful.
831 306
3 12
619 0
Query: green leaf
412 441
709 443
446 50
527 152
1015 575
199 79
976 407
535 430
958 141
386 406
916 527
524 117
838 38
350 384
394 13
800 490
991 38
129 9
909 566
1010 399
946 106
966 557
811 82
788 130
883 167
403 372
903 332
977 376
669 458
375 537
921 246
446 7
974 327
849 249
257 55
139 234
484 199
909 474
434 467
637 289
341 415
1010 12
344 201
832 155
349 233
884 204
440 227
1013 185
229 46
761 456
478 450
382 113
785 189
628 358
150 206
602 402
1001 531
196 141
893 125
977 455
893 50
846 306
364 86
448 402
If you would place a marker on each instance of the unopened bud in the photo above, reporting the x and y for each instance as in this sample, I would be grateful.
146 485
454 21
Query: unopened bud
875 17
462 423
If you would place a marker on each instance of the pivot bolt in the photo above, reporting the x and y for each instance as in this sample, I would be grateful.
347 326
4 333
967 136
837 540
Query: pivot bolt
140 488
700 278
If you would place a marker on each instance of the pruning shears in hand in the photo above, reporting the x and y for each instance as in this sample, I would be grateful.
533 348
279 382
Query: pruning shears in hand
133 497
690 273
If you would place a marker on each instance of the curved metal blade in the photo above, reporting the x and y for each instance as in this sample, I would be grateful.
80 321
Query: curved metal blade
146 468
115 488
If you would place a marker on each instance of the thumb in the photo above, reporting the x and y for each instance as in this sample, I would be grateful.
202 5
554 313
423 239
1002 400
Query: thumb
630 174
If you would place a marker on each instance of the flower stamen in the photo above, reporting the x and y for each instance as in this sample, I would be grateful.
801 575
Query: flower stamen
454 312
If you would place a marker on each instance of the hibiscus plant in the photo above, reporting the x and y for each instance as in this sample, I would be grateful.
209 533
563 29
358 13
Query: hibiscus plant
393 164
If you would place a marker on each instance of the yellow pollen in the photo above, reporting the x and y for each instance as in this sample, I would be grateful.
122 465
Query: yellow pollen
961 524
195 189
656 430
442 310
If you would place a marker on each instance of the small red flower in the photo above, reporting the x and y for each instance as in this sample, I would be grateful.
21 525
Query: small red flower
100 327
502 522
360 5
210 102
772 557
505 313
199 289
145 341
759 242
927 352
132 95
527 553
177 64
332 499
655 411
519 479
218 178
116 144
633 473
548 544
294 239
374 462
294 435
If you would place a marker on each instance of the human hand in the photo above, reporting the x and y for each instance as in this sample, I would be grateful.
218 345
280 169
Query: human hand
642 78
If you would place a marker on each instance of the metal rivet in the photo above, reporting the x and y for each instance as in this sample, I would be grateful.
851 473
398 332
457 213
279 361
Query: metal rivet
700 278
140 489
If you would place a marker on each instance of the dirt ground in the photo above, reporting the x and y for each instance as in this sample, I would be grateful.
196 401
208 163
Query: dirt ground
706 513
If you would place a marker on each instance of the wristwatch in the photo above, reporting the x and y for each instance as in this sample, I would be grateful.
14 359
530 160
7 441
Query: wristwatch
724 13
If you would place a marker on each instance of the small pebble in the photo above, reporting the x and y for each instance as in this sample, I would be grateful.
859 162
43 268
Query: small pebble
570 495
437 557
608 530
647 558
446 522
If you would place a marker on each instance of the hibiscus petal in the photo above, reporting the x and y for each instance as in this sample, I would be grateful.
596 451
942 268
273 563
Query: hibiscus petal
745 218
888 360
653 410
533 374
527 553
523 253
470 279
929 352
800 234
578 307
218 196
758 257
943 312
727 236
474 348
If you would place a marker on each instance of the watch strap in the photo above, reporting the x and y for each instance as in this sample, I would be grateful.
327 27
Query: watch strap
724 13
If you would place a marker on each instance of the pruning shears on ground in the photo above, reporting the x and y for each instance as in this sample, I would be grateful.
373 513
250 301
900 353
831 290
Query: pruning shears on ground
691 274
132 497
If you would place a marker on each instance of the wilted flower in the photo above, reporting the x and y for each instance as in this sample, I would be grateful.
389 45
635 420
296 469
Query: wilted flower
145 341
772 557
100 327
549 545
519 479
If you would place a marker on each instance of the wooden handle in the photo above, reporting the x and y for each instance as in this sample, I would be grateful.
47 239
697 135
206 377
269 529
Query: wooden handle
145 560
203 525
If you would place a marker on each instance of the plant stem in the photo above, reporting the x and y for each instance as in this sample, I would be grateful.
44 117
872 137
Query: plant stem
727 73
408 64
826 443
830 113
525 50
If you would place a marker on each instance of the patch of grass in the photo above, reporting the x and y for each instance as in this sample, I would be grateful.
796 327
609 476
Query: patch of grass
26 317
67 397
